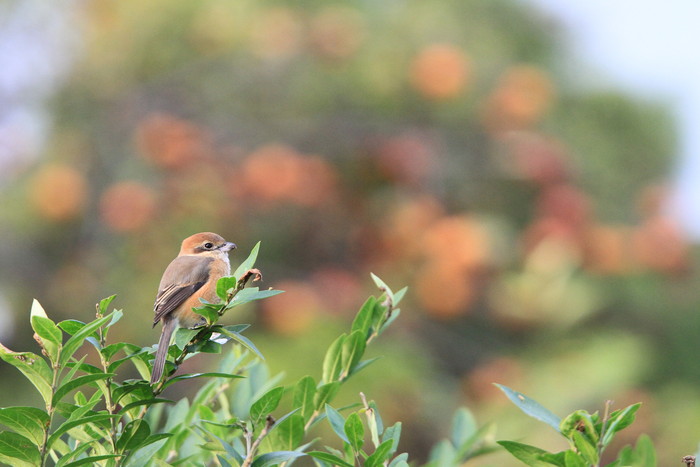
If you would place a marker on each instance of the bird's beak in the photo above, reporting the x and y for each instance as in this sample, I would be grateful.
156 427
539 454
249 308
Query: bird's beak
228 246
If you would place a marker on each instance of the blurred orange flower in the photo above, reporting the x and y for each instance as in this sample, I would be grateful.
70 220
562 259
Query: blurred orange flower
444 289
440 71
127 206
659 244
520 100
458 240
170 142
608 249
58 192
277 172
408 158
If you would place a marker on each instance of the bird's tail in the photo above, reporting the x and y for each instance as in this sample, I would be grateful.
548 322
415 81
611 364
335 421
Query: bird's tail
162 352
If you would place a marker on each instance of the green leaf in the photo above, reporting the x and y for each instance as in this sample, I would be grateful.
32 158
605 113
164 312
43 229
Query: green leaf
288 432
76 383
476 444
264 406
571 459
248 264
18 451
143 455
531 407
50 335
581 422
390 319
381 454
355 431
29 422
363 364
92 460
274 458
232 328
330 458
244 341
363 319
398 296
304 393
530 455
352 351
399 460
251 294
393 433
619 420
34 368
337 423
374 423
643 454
463 427
224 286
104 304
135 432
325 394
443 453
70 424
200 375
332 363
183 336
383 287
588 451
209 311
140 402
79 337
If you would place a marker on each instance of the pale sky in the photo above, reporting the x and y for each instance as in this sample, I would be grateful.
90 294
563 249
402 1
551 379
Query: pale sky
651 49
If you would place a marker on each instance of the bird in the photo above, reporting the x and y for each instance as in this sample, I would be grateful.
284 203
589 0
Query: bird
193 274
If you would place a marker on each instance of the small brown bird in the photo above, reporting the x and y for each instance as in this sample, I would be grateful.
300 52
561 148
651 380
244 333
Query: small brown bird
202 261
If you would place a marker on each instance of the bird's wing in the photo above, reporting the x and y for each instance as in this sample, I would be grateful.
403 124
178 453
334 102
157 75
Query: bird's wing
182 278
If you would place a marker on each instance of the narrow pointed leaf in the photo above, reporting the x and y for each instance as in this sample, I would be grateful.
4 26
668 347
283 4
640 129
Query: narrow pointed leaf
352 351
77 339
275 458
264 406
92 460
332 362
325 394
244 341
363 319
330 458
381 454
337 422
383 287
304 393
76 383
530 455
18 451
29 422
355 431
531 407
34 368
248 263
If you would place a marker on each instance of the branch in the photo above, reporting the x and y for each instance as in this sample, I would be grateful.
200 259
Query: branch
270 422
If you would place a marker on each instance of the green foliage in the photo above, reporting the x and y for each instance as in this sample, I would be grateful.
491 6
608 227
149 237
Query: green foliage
588 436
231 420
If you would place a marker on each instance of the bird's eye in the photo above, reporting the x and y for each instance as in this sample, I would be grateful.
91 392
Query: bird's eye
208 245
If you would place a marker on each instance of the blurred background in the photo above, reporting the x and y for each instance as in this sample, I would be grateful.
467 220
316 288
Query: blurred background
528 197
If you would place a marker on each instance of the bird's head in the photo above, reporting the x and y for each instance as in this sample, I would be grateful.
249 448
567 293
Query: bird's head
205 243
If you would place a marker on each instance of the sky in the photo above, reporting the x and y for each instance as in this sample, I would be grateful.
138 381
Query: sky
649 48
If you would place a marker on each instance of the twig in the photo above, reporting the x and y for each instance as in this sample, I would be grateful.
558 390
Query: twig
269 423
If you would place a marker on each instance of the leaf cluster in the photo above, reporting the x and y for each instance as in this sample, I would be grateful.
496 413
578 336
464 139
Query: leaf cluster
91 417
588 436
